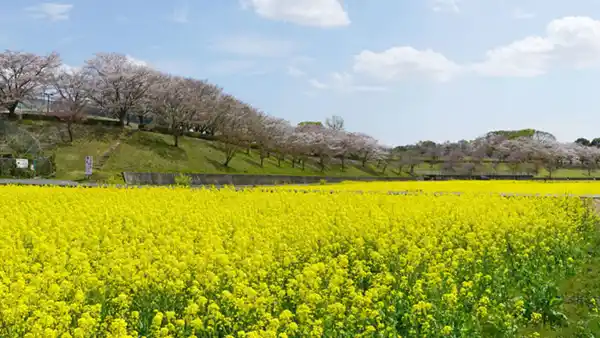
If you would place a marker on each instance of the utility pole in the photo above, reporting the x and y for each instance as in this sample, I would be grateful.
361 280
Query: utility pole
48 95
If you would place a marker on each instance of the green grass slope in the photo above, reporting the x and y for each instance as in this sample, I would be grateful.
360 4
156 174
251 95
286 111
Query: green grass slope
152 152
142 151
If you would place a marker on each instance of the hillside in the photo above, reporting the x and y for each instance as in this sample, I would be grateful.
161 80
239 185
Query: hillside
116 150
153 152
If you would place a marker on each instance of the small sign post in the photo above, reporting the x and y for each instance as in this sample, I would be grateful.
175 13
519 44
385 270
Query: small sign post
22 163
89 162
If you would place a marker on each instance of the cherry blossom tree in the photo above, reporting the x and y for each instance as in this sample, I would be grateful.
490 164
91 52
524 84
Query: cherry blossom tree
384 157
321 142
299 144
343 144
281 132
233 125
453 158
118 84
207 118
551 154
430 151
409 158
248 137
512 152
170 96
145 108
176 100
23 76
366 147
588 158
70 87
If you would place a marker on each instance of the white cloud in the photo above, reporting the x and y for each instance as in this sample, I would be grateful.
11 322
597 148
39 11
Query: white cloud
398 63
137 62
524 58
445 6
343 82
297 66
50 11
569 42
317 84
318 13
572 42
302 60
68 68
520 14
180 14
254 46
295 72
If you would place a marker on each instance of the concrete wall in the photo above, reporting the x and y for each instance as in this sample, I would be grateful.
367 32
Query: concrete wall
132 178
222 179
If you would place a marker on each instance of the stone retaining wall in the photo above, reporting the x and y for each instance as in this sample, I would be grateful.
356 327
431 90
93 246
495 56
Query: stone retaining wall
132 178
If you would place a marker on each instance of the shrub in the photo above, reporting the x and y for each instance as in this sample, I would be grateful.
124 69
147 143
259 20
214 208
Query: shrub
183 180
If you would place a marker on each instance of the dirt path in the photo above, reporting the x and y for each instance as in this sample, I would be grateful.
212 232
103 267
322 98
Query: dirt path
106 155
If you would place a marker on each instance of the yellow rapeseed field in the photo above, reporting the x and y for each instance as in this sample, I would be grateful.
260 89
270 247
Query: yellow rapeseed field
162 262
521 187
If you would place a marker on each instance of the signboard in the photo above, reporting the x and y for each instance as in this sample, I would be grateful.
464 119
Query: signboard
89 162
22 163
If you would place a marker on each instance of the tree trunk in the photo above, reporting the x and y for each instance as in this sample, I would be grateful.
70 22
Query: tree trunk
262 161
176 139
229 154
70 131
343 163
303 162
248 151
141 120
399 172
122 118
12 110
128 118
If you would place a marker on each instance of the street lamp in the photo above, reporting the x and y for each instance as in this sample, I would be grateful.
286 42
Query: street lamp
48 95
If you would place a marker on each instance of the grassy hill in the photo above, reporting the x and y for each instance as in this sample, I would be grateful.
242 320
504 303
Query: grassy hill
116 150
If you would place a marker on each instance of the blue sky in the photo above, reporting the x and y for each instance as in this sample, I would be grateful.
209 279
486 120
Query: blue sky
402 71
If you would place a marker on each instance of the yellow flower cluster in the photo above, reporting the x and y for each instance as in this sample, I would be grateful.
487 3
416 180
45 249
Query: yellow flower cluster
170 262
518 187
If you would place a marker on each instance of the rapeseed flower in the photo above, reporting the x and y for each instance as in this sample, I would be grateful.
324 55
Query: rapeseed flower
163 262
